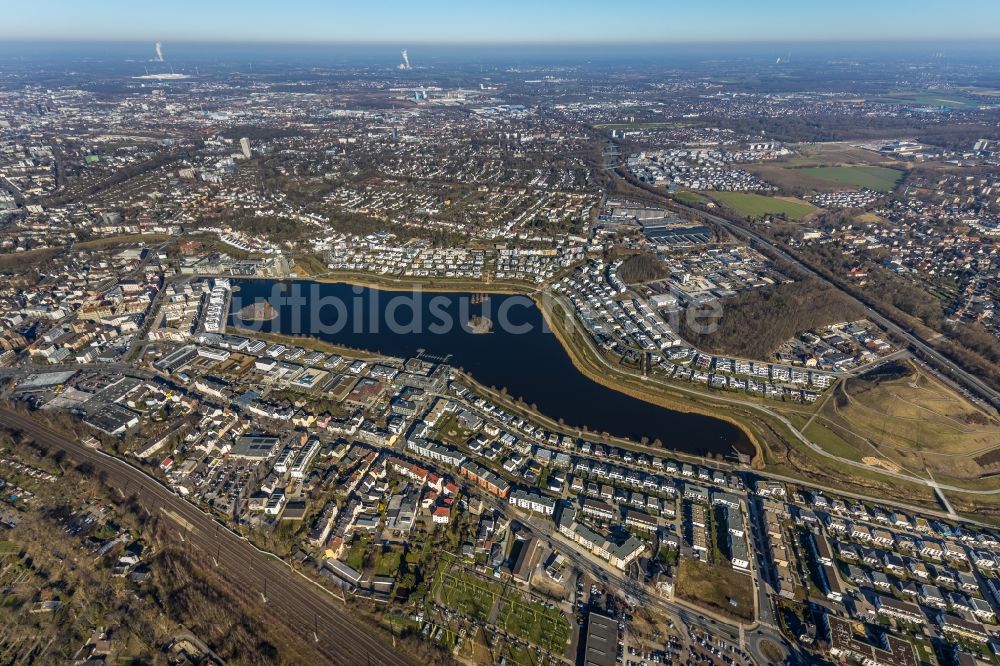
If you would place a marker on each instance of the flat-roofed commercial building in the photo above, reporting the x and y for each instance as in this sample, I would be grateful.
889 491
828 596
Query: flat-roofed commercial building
601 647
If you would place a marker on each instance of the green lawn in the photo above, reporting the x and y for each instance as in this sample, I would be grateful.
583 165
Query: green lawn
688 197
388 563
451 431
356 554
757 205
821 434
873 177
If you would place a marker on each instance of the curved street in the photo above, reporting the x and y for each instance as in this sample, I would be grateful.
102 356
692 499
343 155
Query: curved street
936 487
961 375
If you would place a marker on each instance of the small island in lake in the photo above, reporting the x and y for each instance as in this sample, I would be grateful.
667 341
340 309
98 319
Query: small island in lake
261 311
480 325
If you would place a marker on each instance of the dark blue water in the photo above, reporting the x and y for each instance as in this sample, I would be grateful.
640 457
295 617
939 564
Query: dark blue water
519 354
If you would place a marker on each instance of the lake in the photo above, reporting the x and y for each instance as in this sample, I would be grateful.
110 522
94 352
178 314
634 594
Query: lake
518 353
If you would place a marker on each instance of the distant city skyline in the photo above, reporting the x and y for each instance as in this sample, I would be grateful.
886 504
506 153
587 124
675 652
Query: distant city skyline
513 21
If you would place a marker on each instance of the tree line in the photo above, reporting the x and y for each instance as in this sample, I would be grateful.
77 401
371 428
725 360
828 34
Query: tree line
755 323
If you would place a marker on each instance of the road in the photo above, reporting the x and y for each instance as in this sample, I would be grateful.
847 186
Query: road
958 374
308 610
938 488
967 379
885 501
944 500
704 620
763 570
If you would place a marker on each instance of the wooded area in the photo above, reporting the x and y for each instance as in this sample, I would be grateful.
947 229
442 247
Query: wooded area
917 310
755 323
642 267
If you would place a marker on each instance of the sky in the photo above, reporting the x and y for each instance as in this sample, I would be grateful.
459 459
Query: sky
500 21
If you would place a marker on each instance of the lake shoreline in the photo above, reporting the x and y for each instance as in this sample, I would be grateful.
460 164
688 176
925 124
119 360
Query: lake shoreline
674 422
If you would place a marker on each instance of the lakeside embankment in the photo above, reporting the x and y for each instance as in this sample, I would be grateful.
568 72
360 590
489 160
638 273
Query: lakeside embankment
531 368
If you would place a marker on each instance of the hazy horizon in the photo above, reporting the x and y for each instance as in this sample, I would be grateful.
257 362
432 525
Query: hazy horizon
199 52
513 22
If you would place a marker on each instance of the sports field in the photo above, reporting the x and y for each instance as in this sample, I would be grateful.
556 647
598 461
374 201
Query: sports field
757 205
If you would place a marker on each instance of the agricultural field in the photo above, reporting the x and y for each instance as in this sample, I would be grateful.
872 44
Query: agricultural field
906 418
878 178
835 154
123 239
757 205
829 167
809 179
